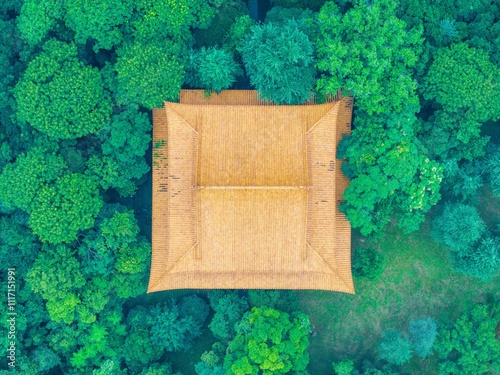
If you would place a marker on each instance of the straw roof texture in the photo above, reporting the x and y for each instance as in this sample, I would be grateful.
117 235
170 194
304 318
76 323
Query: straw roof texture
246 194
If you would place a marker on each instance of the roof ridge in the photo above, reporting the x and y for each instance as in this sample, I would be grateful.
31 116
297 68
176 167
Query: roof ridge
166 272
335 107
169 107
329 266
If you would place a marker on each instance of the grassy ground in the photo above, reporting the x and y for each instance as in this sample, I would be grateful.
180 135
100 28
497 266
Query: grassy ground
418 281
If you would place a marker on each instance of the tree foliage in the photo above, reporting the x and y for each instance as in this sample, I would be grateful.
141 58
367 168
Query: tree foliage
367 263
269 341
212 69
394 347
459 227
60 96
470 345
61 210
173 327
390 173
369 52
423 334
279 61
98 21
149 73
21 181
229 308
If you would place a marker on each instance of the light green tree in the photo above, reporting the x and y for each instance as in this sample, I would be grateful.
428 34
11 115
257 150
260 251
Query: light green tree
369 52
63 209
269 342
60 96
99 21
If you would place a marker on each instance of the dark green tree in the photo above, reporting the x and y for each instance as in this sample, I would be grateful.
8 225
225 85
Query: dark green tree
172 328
283 300
212 69
279 62
482 260
60 96
125 140
491 168
367 263
394 347
229 308
98 21
459 227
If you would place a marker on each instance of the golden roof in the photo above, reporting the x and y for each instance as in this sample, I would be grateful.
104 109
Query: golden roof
246 194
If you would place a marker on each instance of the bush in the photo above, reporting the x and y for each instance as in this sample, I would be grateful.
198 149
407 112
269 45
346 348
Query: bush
368 263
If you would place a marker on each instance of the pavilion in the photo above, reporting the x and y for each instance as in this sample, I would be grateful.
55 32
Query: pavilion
246 194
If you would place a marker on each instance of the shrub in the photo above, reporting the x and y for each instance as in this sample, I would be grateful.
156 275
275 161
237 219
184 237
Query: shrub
368 263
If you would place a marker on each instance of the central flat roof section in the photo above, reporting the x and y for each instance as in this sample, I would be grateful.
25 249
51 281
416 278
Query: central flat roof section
246 194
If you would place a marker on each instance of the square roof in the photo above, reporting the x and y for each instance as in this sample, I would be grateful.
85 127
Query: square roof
245 194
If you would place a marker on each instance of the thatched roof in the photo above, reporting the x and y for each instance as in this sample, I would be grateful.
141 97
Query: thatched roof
245 194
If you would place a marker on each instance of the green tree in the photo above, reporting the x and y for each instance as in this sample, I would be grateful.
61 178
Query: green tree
22 180
279 61
369 52
45 358
459 227
212 69
390 174
470 345
423 334
37 18
61 210
394 347
235 37
159 369
269 341
491 169
125 140
169 19
482 260
229 308
149 73
454 72
138 350
283 300
55 272
345 367
462 181
60 96
99 21
173 328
